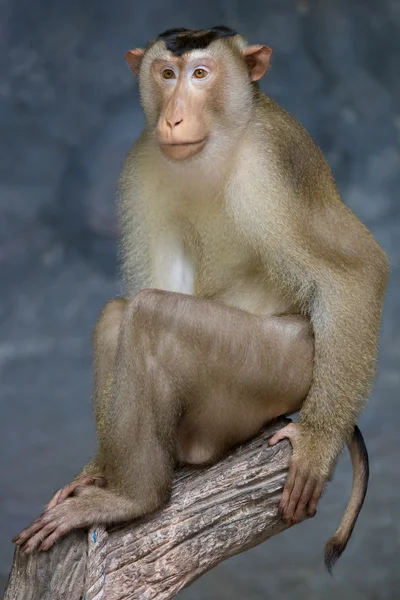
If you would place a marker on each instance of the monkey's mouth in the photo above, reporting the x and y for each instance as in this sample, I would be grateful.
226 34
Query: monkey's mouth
183 144
182 150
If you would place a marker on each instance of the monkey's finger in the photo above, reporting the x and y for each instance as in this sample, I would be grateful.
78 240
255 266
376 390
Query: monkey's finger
29 531
277 437
312 505
294 497
287 490
32 543
87 481
54 501
306 494
288 432
68 490
59 532
100 481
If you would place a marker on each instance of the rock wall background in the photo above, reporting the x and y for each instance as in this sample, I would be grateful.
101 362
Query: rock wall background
68 113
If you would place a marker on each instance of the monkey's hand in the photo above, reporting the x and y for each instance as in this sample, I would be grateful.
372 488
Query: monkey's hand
304 485
71 488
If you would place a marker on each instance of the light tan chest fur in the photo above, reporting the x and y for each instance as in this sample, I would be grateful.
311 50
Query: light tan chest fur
226 268
200 244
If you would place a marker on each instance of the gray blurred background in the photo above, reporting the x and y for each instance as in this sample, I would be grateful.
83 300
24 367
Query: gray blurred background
69 113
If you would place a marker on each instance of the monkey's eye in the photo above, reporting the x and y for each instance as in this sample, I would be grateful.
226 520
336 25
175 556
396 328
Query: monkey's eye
200 73
168 74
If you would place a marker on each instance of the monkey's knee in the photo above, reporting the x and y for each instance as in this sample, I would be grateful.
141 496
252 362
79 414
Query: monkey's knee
113 310
147 299
145 305
109 322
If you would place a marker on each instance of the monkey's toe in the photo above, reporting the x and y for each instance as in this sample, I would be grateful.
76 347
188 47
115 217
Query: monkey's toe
33 542
48 528
71 489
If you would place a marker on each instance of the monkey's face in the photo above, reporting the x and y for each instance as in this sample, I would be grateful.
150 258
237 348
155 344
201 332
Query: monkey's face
186 92
196 98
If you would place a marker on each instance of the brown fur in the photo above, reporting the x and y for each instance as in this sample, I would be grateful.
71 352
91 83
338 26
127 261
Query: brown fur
269 298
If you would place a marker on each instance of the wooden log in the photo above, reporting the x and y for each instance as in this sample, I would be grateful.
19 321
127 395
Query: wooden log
55 575
214 513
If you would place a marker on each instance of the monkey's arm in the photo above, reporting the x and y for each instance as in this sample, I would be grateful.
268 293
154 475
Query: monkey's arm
339 275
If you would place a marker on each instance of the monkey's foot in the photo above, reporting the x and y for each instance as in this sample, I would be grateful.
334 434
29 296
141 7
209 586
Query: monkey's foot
58 517
53 524
302 490
70 489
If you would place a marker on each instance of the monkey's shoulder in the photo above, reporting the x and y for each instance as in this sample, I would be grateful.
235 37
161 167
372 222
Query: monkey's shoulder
281 125
294 153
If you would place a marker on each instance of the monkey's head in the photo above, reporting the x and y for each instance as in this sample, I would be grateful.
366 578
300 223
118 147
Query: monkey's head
195 86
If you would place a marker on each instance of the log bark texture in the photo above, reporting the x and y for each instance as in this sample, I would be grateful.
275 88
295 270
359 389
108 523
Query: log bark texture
213 513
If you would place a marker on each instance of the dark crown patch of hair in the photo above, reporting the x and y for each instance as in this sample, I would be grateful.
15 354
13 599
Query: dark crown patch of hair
181 40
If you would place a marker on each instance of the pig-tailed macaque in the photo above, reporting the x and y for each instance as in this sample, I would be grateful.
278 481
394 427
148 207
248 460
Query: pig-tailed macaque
252 292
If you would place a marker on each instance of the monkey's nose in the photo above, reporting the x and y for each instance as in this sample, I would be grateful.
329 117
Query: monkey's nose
172 123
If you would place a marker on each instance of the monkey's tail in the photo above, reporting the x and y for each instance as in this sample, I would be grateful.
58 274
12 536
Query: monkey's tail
359 458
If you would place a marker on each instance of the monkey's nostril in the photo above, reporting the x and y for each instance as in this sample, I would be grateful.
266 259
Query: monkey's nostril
173 123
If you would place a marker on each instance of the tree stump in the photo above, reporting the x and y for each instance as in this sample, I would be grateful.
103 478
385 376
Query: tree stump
214 512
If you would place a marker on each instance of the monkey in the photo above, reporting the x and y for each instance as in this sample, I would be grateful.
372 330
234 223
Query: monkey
252 292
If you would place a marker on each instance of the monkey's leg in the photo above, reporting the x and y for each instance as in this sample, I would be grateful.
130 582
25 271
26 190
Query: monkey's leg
135 434
105 341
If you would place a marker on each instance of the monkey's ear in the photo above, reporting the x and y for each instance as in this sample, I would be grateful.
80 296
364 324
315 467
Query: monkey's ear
257 59
134 58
